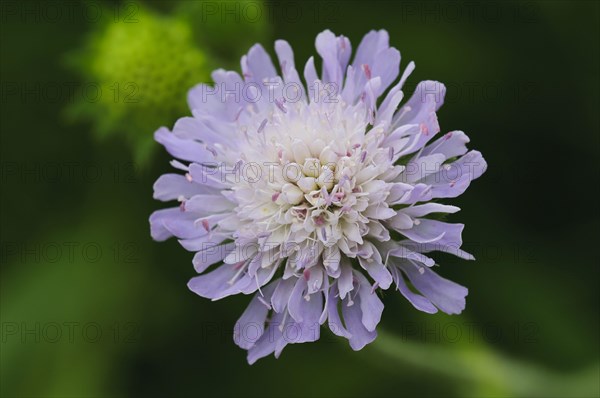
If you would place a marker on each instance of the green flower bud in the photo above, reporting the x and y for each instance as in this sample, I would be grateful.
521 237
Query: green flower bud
143 70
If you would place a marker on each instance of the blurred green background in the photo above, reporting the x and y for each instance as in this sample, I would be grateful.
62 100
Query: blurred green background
92 307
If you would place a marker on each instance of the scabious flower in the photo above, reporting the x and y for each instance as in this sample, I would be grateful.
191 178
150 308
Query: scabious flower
139 71
314 196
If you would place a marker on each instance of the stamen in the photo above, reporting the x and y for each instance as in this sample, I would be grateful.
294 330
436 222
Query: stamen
350 302
237 165
405 109
324 193
367 71
280 327
375 286
344 179
306 274
324 233
237 116
279 104
211 150
262 126
419 268
235 277
332 195
363 156
258 288
262 300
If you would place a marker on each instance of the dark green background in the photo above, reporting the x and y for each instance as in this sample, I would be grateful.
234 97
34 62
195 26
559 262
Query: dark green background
522 83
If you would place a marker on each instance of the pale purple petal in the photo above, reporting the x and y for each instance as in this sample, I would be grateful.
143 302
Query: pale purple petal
185 149
446 295
310 76
387 68
427 231
166 223
210 254
195 244
372 262
360 336
370 305
454 178
271 340
428 208
333 315
450 242
335 52
419 302
304 308
282 294
214 283
173 186
345 284
450 145
213 175
290 74
373 43
251 325
257 65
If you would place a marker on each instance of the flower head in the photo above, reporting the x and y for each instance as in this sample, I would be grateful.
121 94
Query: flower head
140 72
315 195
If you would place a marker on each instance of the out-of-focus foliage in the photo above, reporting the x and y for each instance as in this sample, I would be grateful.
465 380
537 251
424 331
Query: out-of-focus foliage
227 28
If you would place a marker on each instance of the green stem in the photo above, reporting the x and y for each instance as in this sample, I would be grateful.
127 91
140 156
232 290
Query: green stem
488 372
